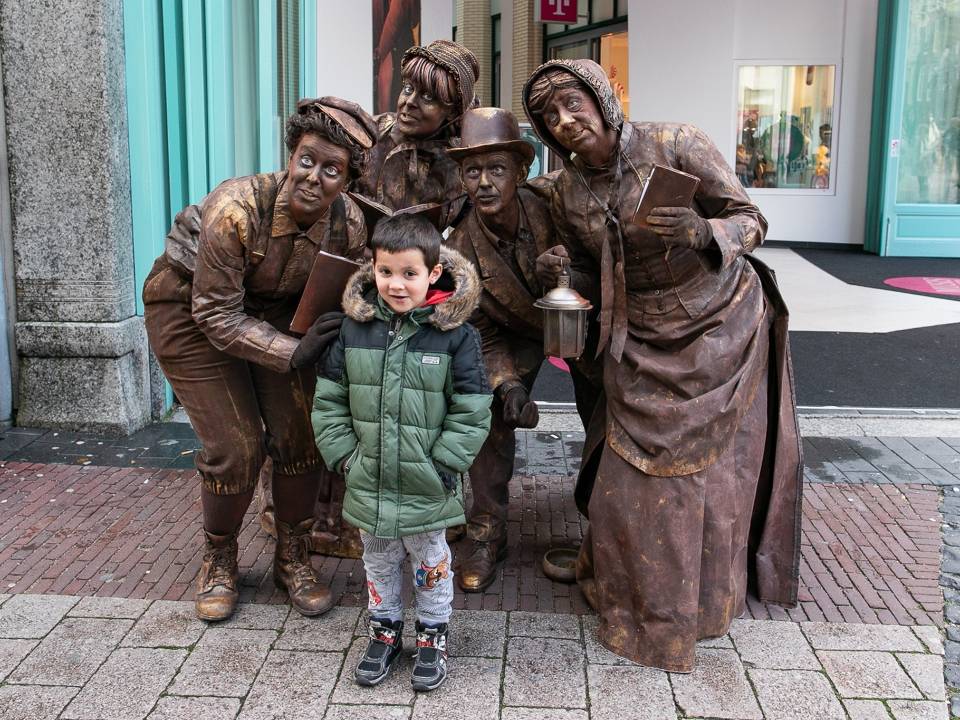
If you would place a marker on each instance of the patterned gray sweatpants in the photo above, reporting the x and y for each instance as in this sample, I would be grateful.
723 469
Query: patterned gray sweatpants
430 559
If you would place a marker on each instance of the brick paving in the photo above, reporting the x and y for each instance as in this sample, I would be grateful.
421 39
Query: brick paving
870 551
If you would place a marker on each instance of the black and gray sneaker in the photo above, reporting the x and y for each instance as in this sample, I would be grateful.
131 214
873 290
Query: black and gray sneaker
382 651
430 667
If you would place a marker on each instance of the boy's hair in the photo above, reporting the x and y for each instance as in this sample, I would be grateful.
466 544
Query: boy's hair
407 232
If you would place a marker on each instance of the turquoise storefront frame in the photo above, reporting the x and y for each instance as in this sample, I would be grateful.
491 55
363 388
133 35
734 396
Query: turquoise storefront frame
892 228
180 80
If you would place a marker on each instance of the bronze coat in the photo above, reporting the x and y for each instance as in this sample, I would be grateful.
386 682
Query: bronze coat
401 172
238 255
511 328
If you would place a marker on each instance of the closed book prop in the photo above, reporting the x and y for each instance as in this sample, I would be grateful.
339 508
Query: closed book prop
324 289
665 187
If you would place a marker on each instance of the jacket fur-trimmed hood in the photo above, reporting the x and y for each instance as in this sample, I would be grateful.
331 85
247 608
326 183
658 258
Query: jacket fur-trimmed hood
459 275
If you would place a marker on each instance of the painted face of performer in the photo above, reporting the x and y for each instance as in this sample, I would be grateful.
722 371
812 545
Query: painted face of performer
574 119
491 180
419 112
317 172
403 278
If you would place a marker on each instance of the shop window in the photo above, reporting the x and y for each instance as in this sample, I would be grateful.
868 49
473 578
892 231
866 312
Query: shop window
785 118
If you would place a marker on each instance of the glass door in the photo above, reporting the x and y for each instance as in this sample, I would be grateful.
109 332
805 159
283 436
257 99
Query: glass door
921 192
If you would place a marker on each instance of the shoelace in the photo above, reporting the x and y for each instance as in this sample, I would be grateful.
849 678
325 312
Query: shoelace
222 561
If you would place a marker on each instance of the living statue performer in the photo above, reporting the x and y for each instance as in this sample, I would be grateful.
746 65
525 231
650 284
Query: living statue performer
218 305
695 467
508 227
409 164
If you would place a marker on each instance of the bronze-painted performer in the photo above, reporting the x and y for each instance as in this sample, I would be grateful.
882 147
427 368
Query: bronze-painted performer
409 164
695 467
508 227
218 304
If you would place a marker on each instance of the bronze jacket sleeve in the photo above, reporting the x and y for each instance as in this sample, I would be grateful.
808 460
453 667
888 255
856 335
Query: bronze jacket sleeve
738 227
498 356
218 289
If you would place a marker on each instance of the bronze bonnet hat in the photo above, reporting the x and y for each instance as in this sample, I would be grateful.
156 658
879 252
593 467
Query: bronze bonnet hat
487 129
456 60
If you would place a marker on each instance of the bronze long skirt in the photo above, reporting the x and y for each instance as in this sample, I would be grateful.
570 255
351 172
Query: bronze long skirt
667 565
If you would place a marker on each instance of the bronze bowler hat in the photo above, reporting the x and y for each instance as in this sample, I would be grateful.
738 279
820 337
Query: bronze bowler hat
487 129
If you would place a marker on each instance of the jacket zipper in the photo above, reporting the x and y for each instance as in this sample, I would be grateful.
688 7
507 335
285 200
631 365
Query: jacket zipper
392 337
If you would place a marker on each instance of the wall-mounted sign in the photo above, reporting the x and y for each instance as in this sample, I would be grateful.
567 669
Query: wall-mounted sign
557 11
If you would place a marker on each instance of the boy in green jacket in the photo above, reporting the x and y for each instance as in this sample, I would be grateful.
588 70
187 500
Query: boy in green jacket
402 407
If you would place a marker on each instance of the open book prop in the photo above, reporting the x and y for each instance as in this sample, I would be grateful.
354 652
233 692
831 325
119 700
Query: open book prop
374 211
323 291
665 187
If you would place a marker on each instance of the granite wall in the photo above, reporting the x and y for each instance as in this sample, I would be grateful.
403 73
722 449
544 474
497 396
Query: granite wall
82 349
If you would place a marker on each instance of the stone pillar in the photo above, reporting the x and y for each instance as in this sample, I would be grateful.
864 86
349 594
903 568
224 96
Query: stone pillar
81 346
473 31
527 49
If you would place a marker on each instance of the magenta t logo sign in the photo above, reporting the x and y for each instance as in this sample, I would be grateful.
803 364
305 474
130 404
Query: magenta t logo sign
558 11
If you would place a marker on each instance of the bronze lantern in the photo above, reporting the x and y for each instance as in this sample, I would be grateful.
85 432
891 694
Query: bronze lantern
564 319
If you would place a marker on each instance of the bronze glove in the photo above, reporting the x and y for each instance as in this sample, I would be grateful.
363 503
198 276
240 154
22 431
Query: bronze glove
519 411
324 331
680 226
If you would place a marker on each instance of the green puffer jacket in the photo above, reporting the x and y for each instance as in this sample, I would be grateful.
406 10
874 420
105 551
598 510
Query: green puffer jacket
398 397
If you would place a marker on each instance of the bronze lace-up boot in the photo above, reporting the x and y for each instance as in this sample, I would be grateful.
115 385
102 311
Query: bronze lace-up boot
478 568
217 582
293 572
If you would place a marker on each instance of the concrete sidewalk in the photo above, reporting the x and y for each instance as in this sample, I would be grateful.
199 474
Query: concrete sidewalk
89 658
117 522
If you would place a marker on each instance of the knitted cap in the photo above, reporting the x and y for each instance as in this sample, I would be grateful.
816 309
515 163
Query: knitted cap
456 60
355 121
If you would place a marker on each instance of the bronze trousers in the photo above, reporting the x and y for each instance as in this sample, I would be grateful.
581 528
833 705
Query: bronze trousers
240 411
664 559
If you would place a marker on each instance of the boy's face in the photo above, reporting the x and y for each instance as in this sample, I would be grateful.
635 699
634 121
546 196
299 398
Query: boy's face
403 278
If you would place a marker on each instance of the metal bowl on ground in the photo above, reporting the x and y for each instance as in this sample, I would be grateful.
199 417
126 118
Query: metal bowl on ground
560 564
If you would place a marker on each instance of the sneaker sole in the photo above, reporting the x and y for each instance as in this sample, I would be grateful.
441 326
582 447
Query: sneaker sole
366 682
423 687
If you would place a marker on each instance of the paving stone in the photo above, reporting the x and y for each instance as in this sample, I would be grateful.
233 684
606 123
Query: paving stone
472 691
257 616
924 710
109 607
368 712
930 636
717 688
772 645
597 654
544 672
4 597
795 695
12 652
33 616
330 632
71 653
853 636
867 675
723 641
549 625
224 663
478 633
172 707
33 702
617 692
509 713
166 624
127 685
292 686
866 710
395 690
926 671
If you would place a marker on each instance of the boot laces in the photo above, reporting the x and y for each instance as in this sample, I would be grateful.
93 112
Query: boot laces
296 554
221 566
